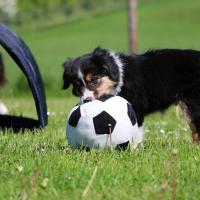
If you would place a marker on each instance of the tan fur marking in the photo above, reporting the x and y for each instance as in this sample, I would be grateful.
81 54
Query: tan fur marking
106 87
88 77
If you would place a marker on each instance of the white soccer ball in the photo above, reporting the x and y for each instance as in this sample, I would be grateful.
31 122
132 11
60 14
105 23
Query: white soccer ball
110 123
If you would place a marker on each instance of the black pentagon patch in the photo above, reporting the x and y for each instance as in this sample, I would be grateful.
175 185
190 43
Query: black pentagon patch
101 123
131 114
75 116
122 146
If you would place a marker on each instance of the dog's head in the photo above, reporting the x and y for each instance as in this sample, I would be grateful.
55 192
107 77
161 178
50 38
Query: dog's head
94 74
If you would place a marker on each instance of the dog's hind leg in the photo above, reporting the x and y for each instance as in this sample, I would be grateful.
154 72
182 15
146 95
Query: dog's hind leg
191 112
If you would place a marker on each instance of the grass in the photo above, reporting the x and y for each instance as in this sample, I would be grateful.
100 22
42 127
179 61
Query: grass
168 155
42 165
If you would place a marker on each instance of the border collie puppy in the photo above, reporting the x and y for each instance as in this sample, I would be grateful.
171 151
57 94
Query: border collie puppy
151 81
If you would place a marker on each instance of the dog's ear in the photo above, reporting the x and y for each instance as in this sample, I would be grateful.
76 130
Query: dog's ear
98 56
112 71
66 75
98 51
66 82
102 58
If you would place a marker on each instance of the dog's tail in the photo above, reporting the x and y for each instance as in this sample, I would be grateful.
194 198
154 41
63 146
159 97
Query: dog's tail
2 71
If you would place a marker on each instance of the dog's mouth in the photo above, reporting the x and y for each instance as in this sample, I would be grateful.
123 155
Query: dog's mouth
87 96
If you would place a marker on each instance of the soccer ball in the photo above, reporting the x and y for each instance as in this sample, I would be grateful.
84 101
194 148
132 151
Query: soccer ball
107 123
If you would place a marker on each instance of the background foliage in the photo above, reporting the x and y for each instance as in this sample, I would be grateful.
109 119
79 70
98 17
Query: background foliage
171 24
51 12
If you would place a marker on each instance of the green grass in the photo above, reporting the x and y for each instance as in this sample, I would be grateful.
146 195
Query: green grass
146 173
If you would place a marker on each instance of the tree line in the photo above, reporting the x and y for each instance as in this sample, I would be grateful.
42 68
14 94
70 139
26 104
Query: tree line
54 11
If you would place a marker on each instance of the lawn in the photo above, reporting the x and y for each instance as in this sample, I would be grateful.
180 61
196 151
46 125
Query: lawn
42 165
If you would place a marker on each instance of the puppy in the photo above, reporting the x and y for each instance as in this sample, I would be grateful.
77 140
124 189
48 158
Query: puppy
151 81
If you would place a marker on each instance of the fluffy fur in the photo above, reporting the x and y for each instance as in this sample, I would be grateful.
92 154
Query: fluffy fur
151 81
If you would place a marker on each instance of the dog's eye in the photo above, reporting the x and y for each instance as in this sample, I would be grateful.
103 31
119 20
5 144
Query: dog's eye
95 81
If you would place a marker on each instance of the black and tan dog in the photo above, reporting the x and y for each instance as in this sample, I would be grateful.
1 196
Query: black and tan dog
151 81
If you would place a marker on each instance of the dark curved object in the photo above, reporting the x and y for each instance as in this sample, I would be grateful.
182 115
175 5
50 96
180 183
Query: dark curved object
17 123
23 57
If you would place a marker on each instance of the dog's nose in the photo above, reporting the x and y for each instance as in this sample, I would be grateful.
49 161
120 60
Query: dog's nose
88 99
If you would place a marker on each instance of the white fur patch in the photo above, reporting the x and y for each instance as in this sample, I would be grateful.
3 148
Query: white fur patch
121 71
80 75
87 95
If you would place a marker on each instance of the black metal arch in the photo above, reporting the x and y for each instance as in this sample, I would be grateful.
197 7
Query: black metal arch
23 57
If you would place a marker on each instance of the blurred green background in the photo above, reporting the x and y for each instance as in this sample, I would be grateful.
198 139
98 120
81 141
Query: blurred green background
56 30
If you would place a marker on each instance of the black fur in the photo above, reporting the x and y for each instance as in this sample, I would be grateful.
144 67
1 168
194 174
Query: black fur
155 80
151 81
